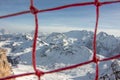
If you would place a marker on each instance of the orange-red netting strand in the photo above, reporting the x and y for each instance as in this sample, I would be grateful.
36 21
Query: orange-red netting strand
35 11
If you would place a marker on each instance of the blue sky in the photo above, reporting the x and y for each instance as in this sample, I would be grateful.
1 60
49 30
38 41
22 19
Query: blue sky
62 20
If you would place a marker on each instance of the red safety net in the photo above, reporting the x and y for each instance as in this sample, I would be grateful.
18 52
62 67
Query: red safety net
35 11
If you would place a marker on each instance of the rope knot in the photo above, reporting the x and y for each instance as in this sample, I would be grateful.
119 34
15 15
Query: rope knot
33 10
96 59
97 3
39 73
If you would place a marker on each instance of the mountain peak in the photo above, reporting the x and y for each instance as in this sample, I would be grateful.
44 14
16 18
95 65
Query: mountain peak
3 31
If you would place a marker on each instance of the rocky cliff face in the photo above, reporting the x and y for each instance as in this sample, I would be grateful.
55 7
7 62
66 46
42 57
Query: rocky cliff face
5 69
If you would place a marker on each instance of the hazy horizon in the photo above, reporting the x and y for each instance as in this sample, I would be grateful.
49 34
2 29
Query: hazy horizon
76 18
114 32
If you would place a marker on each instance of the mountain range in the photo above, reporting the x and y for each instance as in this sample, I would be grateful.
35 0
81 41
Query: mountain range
56 50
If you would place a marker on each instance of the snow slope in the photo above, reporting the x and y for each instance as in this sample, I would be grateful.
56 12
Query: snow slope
58 50
81 73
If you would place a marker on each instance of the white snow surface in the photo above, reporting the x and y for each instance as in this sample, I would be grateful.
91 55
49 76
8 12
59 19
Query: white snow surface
57 50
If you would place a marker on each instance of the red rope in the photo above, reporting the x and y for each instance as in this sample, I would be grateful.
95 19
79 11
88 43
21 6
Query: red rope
16 76
31 3
69 67
34 43
97 4
35 39
97 72
58 8
34 11
110 2
114 57
15 14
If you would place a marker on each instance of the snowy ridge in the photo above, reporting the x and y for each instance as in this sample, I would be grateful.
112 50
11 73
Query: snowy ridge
108 45
58 50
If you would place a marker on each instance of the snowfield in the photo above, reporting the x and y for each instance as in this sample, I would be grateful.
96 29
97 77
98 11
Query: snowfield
86 72
57 50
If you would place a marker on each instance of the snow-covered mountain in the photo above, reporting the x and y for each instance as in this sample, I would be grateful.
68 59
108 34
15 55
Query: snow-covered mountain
58 50
3 31
107 45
